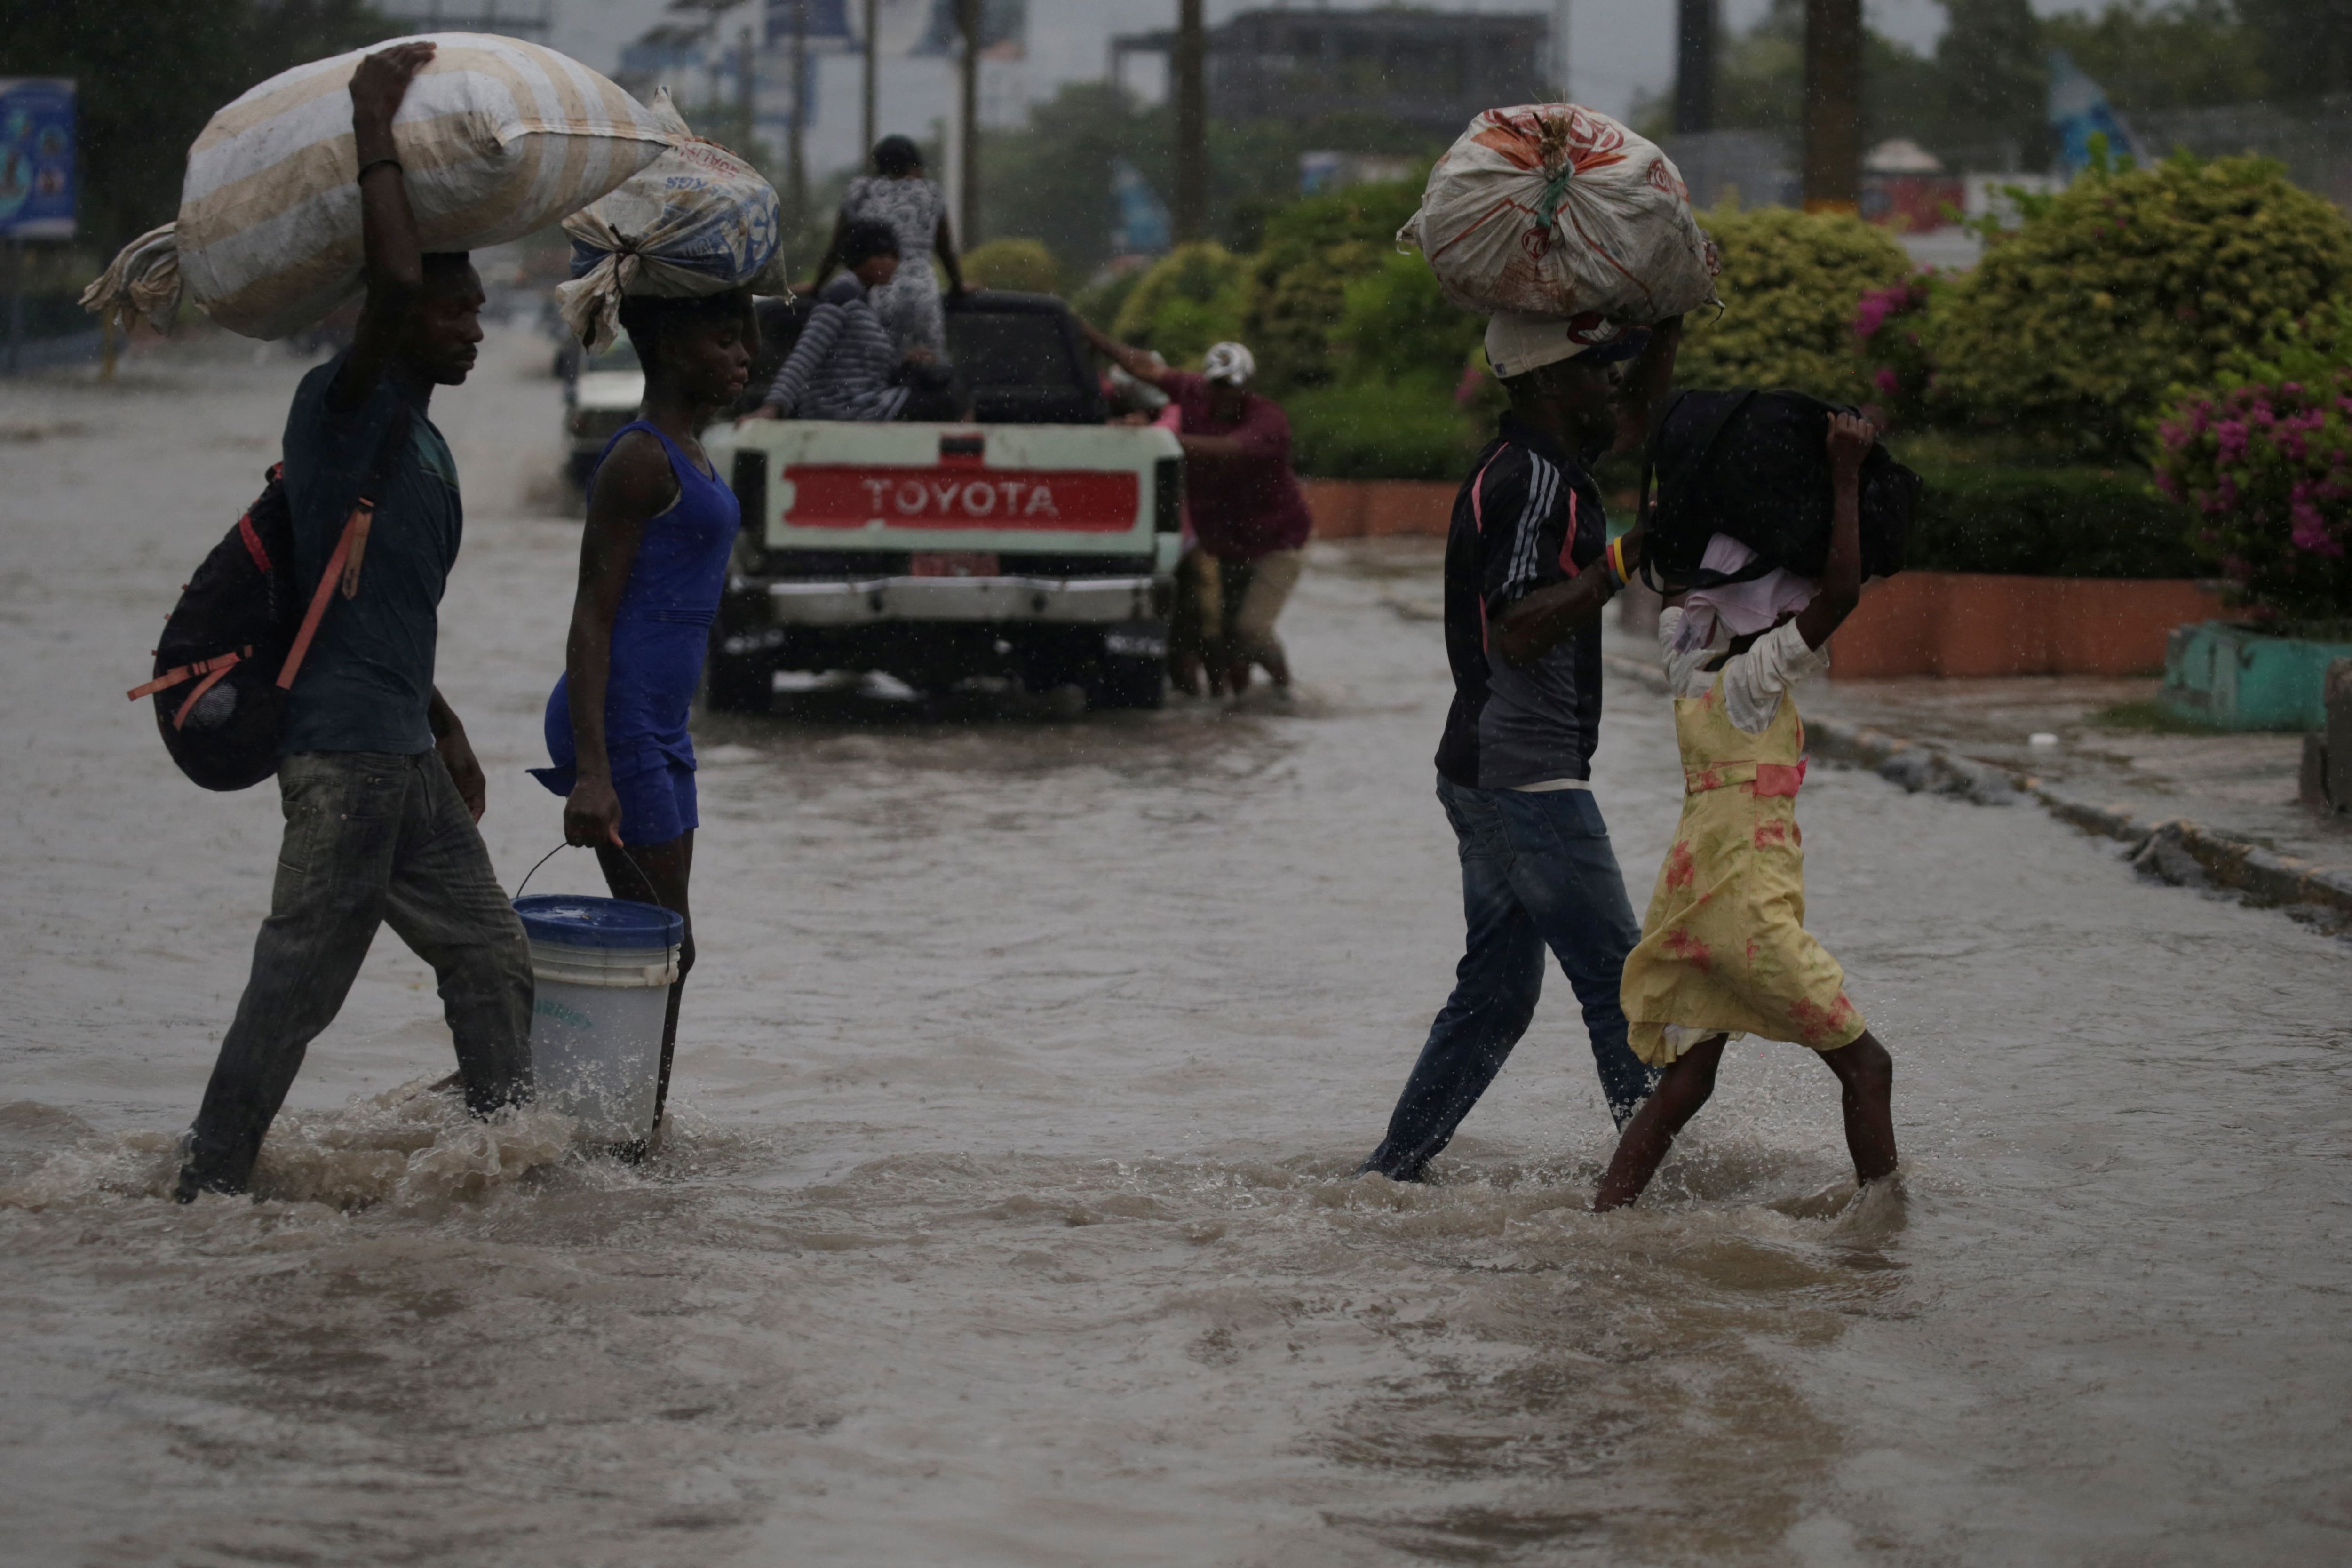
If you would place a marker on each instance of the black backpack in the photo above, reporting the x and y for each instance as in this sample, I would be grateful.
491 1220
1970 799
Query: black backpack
237 638
1754 465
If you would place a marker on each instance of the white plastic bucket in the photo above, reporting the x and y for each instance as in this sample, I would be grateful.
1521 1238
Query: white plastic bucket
602 969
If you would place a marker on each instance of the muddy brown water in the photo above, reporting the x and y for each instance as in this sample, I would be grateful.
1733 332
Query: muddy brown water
1008 1217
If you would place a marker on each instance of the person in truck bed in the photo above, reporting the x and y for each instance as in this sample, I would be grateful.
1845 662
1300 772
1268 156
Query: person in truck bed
845 365
1244 501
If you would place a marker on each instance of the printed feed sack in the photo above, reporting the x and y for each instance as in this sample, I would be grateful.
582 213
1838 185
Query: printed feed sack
697 220
1557 211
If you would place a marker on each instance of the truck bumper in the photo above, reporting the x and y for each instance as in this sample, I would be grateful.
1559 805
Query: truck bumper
1082 601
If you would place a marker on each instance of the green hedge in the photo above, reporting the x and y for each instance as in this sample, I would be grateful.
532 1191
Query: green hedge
1407 430
2064 521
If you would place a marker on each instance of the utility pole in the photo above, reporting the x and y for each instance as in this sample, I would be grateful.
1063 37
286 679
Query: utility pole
743 93
1190 67
873 93
1832 105
1562 27
795 156
1695 36
968 17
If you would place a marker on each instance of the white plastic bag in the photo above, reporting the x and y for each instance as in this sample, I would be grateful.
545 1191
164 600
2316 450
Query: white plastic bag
697 220
1551 210
496 138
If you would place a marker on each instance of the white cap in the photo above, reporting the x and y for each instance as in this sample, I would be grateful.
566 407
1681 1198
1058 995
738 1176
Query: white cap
1518 344
1229 362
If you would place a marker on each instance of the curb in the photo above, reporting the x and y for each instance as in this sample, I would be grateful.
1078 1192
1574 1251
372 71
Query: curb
2176 849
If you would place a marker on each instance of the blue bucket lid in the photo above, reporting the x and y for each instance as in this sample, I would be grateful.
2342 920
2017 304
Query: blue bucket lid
575 920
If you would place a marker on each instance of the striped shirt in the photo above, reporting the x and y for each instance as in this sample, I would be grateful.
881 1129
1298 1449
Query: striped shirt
843 366
1529 516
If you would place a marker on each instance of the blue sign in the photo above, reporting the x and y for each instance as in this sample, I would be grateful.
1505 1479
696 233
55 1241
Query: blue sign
2078 111
38 188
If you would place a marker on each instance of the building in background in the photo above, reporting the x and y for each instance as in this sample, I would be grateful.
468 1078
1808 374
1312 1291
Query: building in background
731 91
1427 68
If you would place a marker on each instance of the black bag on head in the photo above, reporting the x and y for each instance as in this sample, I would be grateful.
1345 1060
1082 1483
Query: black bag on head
237 639
1755 465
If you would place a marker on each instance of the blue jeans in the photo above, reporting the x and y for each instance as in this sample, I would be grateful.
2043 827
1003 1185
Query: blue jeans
1537 872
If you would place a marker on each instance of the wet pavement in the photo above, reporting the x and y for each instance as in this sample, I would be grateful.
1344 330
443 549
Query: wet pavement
1008 1218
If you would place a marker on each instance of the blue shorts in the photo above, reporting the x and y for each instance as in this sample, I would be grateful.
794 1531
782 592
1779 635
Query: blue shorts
657 805
655 784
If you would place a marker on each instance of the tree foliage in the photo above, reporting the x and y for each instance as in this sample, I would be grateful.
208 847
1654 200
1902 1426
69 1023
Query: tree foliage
1051 178
2131 284
2168 56
1191 298
1025 265
1790 284
150 73
1306 254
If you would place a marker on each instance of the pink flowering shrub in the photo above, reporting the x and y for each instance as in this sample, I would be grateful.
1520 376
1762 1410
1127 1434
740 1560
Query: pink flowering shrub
2267 470
1887 323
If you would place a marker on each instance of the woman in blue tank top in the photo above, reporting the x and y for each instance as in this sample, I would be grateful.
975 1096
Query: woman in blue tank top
652 561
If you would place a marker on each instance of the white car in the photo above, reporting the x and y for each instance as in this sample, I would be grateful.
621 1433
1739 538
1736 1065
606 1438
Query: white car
601 394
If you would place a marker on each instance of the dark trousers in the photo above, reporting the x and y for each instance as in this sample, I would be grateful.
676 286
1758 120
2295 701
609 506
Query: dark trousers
371 839
1537 872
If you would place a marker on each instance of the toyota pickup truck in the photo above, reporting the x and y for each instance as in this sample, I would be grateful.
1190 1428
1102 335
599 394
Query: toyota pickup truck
1037 542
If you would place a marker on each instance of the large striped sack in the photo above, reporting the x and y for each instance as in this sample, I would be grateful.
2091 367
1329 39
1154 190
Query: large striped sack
697 220
497 138
1555 211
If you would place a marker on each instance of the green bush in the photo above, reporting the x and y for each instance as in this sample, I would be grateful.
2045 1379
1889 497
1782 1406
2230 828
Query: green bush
1019 264
1790 284
1190 299
2130 285
2068 520
1299 275
1395 323
1412 429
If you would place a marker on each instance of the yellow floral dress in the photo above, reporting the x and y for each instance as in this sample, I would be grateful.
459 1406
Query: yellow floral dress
1724 947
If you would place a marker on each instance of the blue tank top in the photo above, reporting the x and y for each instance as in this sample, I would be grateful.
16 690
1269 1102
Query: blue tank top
661 632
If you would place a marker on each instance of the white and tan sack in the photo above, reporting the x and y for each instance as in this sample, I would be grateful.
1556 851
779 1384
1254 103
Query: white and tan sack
1557 211
697 220
496 137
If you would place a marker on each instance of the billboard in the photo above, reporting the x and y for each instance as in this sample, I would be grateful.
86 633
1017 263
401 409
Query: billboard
37 187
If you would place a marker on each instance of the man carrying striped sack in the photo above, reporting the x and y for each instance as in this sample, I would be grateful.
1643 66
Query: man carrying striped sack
381 788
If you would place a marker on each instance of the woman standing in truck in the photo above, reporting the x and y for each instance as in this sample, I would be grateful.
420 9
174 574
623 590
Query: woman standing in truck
652 561
915 209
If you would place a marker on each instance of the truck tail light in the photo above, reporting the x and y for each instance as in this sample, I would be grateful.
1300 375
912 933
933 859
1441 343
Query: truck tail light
1167 496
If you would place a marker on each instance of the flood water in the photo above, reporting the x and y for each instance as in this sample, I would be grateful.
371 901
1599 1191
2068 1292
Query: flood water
1008 1219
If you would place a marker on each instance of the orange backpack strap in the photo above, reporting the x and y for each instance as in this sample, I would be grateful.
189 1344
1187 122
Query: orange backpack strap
337 565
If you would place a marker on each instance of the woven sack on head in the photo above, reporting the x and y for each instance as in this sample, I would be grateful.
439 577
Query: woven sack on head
497 138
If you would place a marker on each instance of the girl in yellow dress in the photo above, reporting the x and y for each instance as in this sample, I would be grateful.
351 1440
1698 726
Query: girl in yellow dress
1724 949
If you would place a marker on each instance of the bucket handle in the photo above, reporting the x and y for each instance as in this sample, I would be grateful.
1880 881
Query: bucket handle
643 880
